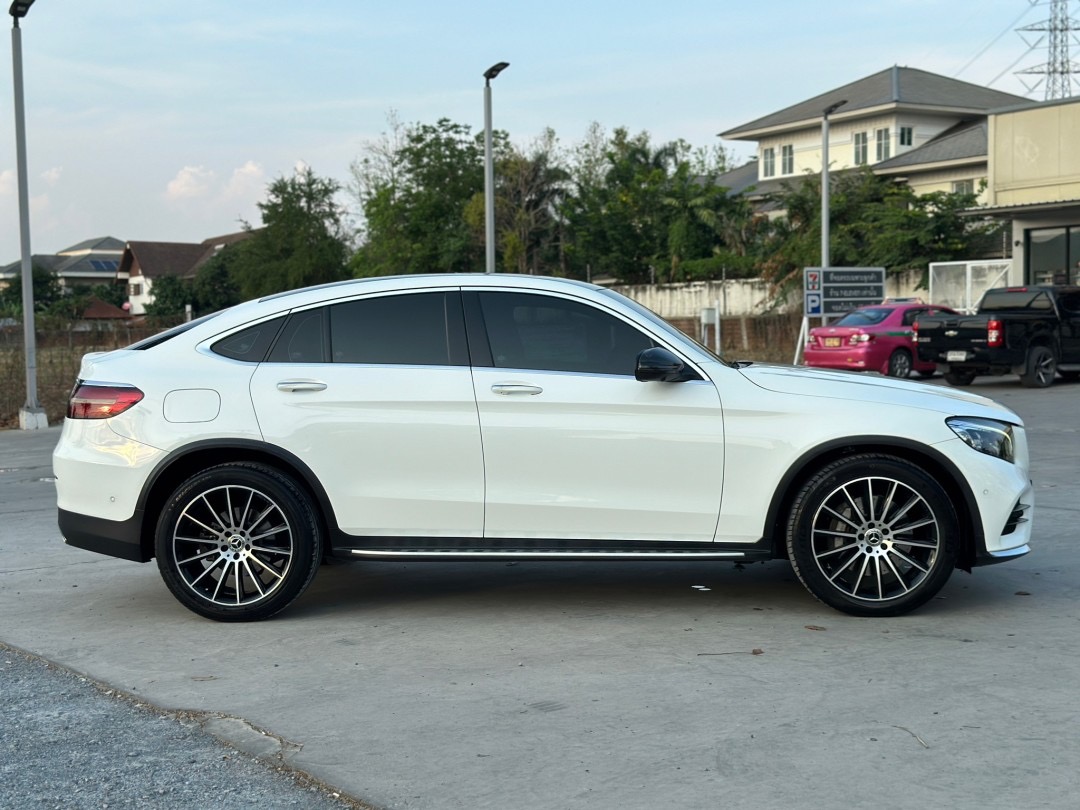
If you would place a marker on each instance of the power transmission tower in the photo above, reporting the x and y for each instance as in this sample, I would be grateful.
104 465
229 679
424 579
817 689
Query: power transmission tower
1059 70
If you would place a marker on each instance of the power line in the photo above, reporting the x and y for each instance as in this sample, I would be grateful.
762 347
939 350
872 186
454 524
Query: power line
1010 27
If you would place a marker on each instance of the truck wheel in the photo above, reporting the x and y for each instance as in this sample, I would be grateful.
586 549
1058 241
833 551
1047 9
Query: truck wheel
1041 368
900 363
959 377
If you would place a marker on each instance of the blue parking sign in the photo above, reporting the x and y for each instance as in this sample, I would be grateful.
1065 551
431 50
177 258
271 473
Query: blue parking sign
813 304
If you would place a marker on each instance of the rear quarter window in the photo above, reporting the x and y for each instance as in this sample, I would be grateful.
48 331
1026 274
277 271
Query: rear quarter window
251 344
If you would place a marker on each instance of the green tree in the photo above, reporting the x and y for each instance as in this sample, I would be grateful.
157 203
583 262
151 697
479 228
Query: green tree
873 221
47 291
529 188
214 285
414 188
303 240
694 210
171 297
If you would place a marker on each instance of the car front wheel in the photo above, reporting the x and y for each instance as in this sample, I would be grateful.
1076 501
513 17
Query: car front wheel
872 535
238 542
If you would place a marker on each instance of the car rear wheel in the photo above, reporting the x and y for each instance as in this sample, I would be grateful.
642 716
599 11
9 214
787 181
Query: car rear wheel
238 542
959 377
872 535
900 363
1040 368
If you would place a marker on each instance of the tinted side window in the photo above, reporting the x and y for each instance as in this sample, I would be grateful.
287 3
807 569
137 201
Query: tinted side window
249 344
553 334
912 315
303 340
414 329
1070 302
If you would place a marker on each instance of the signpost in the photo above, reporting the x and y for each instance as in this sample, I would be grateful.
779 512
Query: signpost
829 291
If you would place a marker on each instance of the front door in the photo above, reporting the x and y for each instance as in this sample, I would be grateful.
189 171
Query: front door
575 447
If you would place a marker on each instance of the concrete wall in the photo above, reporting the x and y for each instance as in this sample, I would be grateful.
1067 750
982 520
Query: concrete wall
741 297
943 179
1034 154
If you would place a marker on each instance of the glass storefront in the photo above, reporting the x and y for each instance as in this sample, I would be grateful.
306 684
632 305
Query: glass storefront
1053 255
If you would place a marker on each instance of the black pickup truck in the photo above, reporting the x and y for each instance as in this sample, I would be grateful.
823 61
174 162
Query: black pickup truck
1031 331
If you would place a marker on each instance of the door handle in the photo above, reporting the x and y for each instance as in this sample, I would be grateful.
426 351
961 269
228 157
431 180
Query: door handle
301 385
506 389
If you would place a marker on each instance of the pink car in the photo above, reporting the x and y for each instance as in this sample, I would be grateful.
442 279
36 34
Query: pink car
873 338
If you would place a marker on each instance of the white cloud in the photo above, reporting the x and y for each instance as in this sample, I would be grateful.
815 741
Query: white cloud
246 183
52 176
7 183
191 182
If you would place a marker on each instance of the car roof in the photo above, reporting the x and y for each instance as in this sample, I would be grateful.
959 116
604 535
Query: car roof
269 305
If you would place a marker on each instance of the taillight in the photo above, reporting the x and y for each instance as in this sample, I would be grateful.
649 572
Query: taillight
915 332
862 337
100 401
994 334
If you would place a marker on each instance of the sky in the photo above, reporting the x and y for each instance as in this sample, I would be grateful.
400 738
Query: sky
165 120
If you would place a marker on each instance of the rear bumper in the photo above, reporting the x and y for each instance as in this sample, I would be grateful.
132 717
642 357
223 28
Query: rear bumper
115 538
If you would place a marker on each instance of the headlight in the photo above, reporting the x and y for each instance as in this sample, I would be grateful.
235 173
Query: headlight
985 435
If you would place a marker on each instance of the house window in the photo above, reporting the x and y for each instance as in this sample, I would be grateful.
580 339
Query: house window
963 186
768 162
861 148
135 289
884 144
787 159
907 136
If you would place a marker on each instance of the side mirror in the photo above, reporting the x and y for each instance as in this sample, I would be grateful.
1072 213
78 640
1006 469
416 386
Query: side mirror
659 365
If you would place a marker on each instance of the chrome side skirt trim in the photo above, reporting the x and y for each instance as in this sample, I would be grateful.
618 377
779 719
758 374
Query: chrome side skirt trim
566 555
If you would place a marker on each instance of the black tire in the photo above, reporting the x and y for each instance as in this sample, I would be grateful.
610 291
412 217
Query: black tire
959 377
1040 368
873 535
900 364
238 542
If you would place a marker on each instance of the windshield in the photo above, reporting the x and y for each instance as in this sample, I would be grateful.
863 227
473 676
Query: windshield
660 324
864 317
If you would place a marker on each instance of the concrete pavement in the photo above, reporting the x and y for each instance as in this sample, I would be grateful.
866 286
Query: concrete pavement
578 685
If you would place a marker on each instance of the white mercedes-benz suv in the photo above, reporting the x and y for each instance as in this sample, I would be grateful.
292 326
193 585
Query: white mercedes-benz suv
469 417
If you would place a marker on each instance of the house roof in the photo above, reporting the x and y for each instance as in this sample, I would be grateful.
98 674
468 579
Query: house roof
964 141
99 310
156 259
180 259
896 87
738 180
107 244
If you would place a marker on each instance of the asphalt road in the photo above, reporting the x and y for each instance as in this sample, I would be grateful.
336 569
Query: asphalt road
582 685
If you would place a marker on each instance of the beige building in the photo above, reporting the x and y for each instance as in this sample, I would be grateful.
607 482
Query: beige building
1034 180
918 127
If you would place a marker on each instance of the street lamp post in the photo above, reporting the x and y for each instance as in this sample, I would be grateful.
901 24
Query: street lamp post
31 415
825 179
489 170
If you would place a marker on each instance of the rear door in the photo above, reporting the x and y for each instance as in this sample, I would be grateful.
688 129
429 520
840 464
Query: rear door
375 396
575 448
